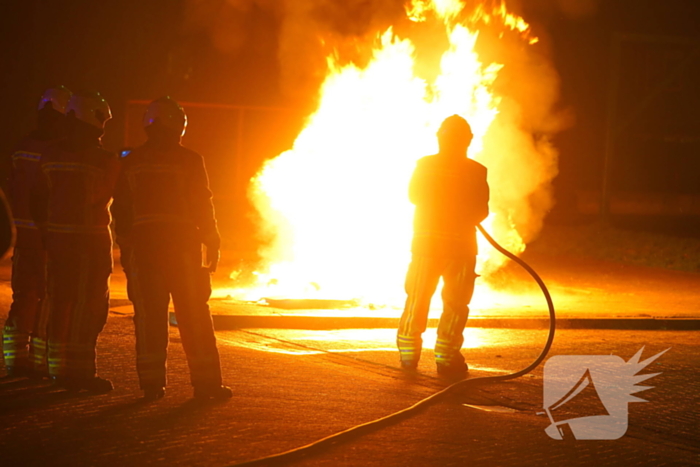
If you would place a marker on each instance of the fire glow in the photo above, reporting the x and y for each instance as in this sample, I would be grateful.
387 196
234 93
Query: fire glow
335 206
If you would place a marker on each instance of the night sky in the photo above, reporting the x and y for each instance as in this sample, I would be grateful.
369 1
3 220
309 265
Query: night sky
143 49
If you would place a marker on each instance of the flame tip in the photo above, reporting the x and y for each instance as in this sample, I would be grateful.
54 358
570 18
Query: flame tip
387 109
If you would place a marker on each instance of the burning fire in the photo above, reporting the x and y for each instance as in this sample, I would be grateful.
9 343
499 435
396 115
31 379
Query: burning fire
335 206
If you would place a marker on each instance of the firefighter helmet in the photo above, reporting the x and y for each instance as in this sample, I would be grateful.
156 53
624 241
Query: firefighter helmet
58 97
454 134
455 126
90 108
168 113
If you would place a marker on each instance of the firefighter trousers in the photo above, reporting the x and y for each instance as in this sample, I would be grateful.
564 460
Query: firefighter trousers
78 301
158 273
24 334
422 279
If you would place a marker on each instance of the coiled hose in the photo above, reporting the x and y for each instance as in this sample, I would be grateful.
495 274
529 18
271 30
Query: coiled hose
359 430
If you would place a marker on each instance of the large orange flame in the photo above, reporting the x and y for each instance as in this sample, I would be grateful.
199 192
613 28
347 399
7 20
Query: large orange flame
336 204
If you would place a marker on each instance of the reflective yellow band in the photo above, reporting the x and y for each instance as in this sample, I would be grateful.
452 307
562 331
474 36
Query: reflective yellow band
29 156
70 167
25 223
85 229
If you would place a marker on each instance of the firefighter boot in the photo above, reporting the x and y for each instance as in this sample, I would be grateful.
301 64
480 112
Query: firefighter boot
457 368
19 372
94 385
153 393
409 351
24 372
212 392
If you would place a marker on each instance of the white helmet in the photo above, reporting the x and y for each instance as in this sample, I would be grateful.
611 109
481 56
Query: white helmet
168 112
90 108
58 97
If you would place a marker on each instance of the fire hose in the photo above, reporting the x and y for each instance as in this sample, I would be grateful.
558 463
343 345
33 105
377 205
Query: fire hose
359 430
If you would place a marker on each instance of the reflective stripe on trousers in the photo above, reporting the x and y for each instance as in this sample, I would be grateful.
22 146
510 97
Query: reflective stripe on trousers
422 279
26 315
78 305
14 348
156 274
38 354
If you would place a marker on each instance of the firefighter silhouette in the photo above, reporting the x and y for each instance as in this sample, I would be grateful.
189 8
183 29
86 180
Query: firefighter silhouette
451 196
24 333
70 203
163 216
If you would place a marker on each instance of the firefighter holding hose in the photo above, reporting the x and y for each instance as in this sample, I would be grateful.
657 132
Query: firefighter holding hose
163 216
451 196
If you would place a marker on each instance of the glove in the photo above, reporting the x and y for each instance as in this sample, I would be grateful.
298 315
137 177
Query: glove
212 259
212 243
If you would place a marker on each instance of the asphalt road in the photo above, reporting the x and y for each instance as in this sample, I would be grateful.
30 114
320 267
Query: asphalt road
293 387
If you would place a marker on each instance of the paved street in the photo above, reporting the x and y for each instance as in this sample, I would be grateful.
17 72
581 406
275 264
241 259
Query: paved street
295 386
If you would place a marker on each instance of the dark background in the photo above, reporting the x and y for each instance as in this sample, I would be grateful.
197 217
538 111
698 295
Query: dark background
143 49
658 96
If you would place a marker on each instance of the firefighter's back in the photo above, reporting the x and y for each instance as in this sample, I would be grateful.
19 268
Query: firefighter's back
80 184
168 191
451 196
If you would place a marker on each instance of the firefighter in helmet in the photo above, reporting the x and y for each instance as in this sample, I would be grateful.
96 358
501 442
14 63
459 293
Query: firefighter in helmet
451 196
71 204
24 334
163 216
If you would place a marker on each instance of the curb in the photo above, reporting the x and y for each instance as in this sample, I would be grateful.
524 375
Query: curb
319 323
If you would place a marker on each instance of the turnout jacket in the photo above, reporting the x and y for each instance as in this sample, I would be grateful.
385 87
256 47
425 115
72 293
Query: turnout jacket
163 193
75 191
451 195
24 173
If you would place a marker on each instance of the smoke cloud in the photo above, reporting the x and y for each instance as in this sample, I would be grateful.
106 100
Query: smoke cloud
519 152
307 32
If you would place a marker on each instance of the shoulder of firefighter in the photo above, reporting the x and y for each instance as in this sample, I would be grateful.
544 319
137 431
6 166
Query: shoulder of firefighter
451 197
164 188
